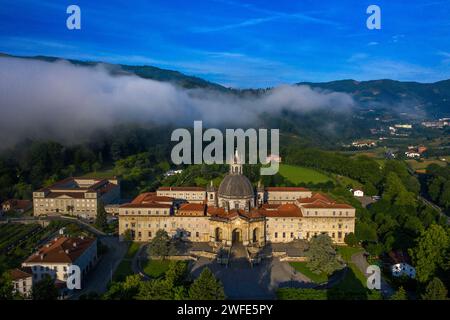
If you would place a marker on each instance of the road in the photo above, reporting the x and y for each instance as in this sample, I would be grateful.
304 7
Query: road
81 223
99 278
436 207
361 262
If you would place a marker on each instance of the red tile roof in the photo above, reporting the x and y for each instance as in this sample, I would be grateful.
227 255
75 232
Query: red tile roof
192 207
18 274
18 204
61 250
148 197
285 210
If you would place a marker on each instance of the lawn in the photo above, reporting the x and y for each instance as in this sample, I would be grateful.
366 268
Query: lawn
124 268
346 181
155 268
347 252
296 174
302 268
354 284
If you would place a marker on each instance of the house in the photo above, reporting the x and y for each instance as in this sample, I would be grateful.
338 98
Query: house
401 265
400 269
273 158
364 143
22 280
16 205
172 172
358 193
412 154
55 257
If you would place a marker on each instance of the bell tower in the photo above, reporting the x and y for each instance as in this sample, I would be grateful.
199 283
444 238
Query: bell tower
236 164
211 194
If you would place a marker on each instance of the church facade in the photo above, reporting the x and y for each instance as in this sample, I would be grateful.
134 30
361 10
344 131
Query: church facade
236 212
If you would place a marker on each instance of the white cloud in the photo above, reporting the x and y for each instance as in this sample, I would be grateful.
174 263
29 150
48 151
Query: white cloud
67 102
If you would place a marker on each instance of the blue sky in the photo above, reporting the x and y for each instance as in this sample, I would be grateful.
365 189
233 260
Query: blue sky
242 43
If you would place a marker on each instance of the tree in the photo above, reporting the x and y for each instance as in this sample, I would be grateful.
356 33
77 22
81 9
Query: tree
126 290
127 235
370 189
435 188
399 295
322 257
101 221
435 290
45 289
161 245
206 287
350 239
159 289
365 231
6 287
176 273
429 252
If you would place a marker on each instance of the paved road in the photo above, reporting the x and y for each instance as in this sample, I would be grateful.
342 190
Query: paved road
138 258
99 278
361 262
242 281
81 223
436 207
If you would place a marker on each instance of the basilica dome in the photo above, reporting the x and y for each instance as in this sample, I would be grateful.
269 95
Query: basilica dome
235 186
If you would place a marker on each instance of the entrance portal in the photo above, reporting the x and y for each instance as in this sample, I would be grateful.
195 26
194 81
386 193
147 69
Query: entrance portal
255 235
237 235
218 234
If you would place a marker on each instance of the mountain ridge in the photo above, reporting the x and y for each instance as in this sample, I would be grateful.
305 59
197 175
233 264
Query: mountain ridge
432 99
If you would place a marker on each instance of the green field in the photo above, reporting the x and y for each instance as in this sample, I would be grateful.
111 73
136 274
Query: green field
155 268
302 268
423 164
296 174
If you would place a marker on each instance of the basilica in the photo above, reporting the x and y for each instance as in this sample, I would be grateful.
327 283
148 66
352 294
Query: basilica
236 211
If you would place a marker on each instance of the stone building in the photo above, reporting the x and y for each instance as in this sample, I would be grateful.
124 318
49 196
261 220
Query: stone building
236 212
76 196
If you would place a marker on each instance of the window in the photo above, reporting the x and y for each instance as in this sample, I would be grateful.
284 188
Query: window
197 234
149 234
284 234
292 234
276 234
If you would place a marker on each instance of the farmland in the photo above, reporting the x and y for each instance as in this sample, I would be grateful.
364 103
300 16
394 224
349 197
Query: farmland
297 174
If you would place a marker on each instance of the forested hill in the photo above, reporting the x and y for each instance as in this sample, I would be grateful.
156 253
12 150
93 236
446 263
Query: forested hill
425 100
146 72
430 100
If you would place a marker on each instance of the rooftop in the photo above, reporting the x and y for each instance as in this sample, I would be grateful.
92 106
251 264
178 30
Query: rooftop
61 250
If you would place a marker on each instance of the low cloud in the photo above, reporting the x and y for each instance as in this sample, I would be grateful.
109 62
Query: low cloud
67 102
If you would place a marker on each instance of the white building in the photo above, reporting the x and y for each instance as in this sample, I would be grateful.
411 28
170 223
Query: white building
401 269
358 193
22 280
55 258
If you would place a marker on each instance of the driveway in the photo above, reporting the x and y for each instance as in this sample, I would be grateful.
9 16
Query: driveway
99 278
361 262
